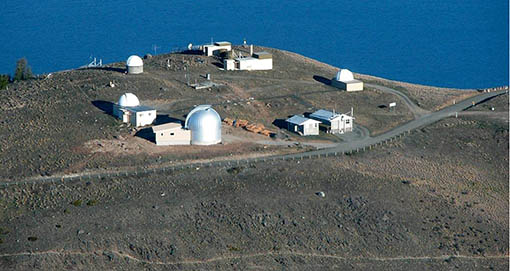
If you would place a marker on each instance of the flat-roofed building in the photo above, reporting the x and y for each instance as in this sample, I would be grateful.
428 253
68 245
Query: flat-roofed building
303 126
334 122
171 134
259 61
263 55
345 80
216 48
129 110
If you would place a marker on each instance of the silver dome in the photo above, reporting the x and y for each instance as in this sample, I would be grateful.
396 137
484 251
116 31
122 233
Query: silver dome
205 125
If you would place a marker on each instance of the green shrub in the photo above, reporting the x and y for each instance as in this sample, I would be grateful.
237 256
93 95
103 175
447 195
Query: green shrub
77 202
4 80
23 71
92 202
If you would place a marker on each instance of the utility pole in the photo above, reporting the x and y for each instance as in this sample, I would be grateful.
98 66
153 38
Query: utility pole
155 49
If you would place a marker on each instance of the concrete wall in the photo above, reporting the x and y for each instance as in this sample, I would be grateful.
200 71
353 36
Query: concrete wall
143 118
134 69
229 64
176 136
340 126
354 85
311 129
124 116
255 64
304 130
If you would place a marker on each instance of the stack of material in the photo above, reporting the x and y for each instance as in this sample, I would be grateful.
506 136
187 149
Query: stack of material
266 132
254 128
241 123
228 121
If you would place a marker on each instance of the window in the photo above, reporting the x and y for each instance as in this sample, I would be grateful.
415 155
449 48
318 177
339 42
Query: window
161 134
347 121
315 125
149 114
171 134
141 114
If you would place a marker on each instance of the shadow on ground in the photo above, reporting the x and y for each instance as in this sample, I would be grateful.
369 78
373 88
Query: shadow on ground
280 123
112 69
218 64
191 52
321 79
106 107
147 134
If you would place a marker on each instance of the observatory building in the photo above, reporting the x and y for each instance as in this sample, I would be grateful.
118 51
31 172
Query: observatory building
303 126
129 110
134 65
345 80
171 134
205 125
336 123
202 127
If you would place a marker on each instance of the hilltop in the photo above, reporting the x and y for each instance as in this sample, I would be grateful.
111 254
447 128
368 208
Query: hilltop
61 124
434 198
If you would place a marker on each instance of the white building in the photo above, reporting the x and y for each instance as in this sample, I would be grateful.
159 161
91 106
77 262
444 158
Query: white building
229 64
216 48
129 110
134 65
336 123
303 126
259 61
345 80
171 134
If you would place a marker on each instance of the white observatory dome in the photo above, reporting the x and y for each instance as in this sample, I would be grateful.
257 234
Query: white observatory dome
134 65
128 99
205 125
344 75
134 61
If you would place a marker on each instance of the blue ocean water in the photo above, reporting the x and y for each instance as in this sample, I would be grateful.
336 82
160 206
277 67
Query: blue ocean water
449 43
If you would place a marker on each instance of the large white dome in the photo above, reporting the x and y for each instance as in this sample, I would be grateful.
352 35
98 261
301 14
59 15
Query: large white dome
128 99
134 61
344 75
205 125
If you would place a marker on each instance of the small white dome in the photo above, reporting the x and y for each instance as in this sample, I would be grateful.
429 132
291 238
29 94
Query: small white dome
128 99
134 61
344 75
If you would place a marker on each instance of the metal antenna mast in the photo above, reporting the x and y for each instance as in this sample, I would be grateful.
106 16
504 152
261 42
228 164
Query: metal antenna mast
155 49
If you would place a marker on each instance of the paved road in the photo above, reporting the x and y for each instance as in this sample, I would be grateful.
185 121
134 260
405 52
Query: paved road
340 148
421 121
358 133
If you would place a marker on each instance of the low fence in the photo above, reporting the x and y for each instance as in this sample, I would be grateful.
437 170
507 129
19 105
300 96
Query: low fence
225 163
494 89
